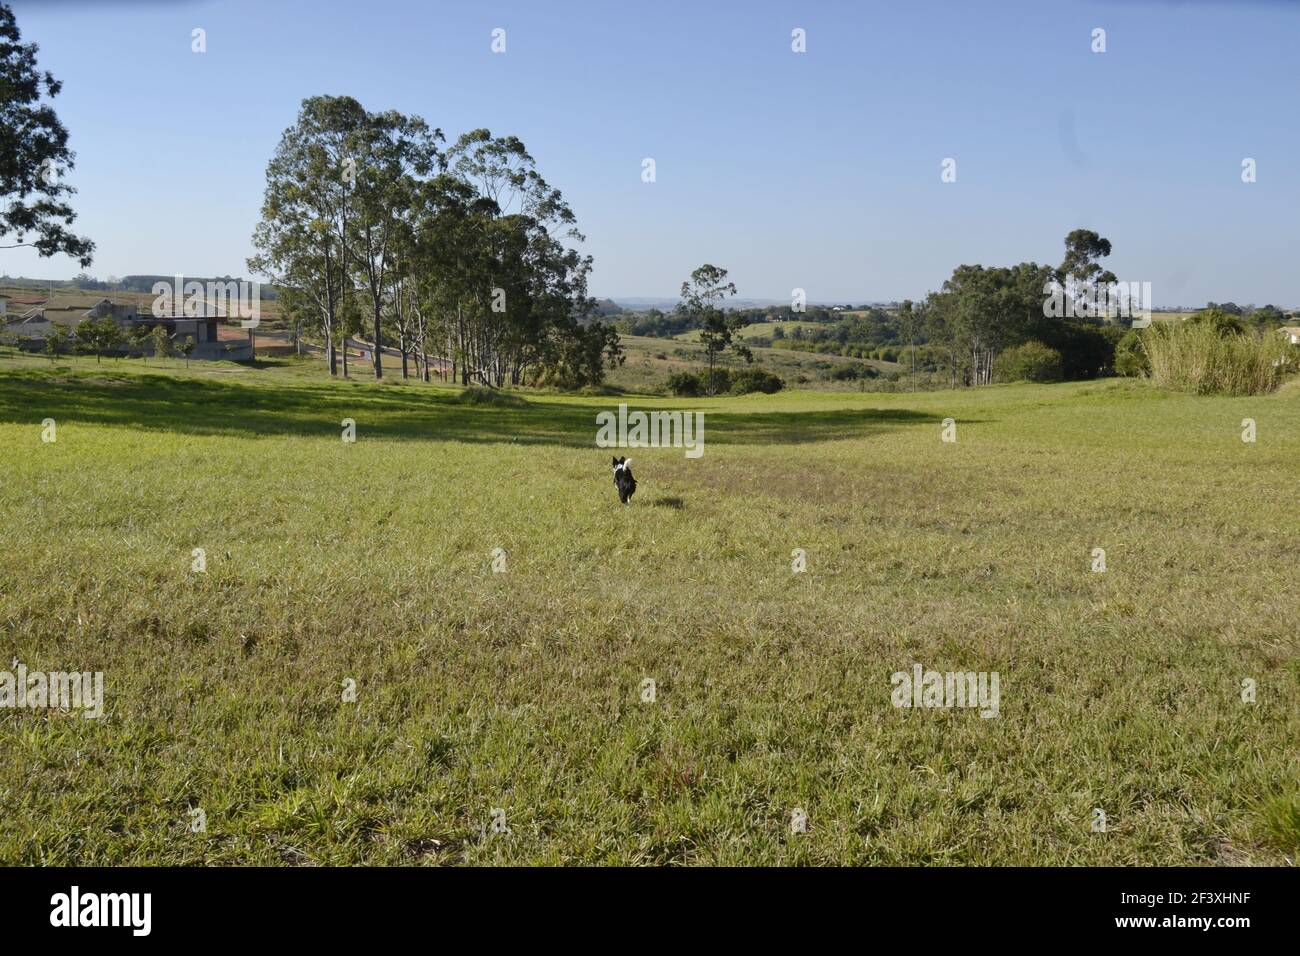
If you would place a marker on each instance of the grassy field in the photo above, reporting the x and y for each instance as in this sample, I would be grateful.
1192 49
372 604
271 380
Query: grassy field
522 691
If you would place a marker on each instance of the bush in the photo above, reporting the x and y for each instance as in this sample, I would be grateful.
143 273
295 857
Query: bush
721 381
694 384
685 384
1031 362
1222 322
1207 358
1130 358
850 373
162 342
1086 350
755 380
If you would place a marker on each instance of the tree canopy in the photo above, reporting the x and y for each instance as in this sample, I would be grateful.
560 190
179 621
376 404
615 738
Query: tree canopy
34 155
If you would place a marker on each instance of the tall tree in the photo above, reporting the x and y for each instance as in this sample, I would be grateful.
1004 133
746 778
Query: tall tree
702 295
527 310
396 153
307 209
34 154
1080 273
908 320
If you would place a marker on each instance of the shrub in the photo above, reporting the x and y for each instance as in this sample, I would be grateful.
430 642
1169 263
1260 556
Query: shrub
1031 362
1086 350
693 384
1130 358
685 384
162 342
1209 358
755 380
849 373
1222 322
721 381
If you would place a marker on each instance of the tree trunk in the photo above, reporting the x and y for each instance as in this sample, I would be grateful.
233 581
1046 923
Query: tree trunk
379 355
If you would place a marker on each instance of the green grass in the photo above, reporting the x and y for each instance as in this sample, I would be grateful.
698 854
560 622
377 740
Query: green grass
372 562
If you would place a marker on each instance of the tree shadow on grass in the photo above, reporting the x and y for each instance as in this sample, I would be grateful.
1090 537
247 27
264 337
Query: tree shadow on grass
203 406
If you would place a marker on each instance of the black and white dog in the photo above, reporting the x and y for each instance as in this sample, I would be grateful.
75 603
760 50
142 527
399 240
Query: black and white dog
623 479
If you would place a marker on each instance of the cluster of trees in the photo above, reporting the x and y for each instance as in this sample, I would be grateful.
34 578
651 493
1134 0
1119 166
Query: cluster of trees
852 335
99 337
981 312
1250 316
461 258
656 323
723 380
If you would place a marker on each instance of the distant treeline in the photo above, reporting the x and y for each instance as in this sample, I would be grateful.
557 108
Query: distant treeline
659 324
963 330
132 283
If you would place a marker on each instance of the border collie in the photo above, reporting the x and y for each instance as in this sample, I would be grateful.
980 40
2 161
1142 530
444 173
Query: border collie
623 479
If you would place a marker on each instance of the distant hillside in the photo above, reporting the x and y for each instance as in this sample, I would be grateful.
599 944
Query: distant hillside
131 283
643 303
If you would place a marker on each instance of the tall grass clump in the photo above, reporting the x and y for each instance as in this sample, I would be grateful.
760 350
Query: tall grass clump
1204 359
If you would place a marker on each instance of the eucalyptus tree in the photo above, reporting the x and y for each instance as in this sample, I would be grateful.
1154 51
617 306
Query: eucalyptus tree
1081 269
34 155
396 153
526 310
445 236
701 299
908 321
301 239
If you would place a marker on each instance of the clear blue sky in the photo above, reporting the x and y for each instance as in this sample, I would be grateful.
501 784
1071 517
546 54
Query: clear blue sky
818 170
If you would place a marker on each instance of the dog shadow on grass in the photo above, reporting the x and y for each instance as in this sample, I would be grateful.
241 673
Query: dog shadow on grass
677 504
